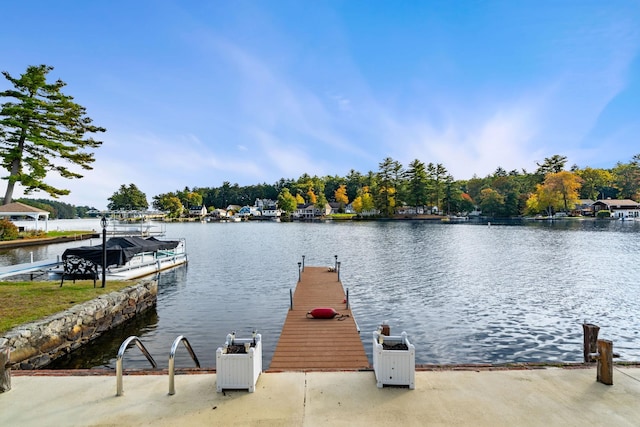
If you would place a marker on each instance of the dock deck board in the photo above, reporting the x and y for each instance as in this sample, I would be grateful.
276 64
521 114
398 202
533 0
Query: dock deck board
319 344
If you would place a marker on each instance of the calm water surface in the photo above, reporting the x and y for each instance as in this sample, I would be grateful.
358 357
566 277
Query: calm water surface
465 293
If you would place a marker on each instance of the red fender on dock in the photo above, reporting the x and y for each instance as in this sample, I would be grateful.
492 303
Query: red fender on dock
322 313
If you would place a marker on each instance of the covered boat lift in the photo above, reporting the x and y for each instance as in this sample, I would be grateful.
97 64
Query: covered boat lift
83 262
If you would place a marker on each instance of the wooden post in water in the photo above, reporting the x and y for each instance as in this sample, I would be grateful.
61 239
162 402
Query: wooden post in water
5 370
605 362
590 341
385 329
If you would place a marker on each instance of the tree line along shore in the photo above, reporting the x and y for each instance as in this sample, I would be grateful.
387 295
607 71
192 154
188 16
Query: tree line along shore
43 129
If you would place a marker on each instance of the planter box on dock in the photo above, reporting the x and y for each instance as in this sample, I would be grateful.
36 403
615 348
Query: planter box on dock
239 363
394 360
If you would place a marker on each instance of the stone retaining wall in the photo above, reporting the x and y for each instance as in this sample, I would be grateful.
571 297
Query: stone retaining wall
34 345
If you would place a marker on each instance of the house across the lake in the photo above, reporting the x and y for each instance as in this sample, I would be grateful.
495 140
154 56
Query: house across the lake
197 211
309 211
619 208
584 207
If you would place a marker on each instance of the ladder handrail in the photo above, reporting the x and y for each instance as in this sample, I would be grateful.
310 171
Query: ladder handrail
172 354
123 348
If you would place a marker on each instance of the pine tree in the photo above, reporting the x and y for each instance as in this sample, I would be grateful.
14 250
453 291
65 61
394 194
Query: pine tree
42 130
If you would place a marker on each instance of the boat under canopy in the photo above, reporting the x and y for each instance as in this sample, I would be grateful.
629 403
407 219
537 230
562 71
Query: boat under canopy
120 249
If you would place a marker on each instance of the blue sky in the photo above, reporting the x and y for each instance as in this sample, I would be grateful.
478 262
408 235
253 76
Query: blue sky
194 93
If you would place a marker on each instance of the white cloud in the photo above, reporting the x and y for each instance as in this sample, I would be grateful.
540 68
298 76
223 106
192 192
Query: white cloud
477 143
288 160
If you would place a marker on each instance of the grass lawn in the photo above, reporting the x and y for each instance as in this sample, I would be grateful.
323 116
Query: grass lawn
40 234
342 216
22 302
61 233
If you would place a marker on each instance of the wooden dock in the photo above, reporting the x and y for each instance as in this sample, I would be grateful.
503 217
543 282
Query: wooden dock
319 344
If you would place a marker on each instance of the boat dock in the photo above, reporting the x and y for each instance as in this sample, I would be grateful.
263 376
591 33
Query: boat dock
28 267
308 344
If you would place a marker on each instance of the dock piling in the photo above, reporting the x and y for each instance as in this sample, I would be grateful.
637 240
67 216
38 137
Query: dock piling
600 351
605 362
590 341
5 369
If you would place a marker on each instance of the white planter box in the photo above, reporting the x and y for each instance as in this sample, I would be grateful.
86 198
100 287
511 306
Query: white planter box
239 371
394 367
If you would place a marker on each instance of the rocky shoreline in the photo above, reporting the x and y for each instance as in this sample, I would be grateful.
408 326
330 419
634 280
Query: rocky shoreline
36 344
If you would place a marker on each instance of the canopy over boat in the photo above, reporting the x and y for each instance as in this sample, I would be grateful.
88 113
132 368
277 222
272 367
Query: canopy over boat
120 249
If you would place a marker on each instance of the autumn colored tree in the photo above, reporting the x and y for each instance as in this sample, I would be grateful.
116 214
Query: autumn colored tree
559 191
311 196
363 201
340 196
534 206
543 200
357 204
566 184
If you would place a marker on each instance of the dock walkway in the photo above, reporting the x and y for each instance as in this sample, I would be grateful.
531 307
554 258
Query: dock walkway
29 267
319 344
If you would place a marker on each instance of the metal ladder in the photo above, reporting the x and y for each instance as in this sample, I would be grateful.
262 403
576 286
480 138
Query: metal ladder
125 345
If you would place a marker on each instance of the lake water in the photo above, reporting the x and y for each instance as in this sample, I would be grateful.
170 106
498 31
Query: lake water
464 293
